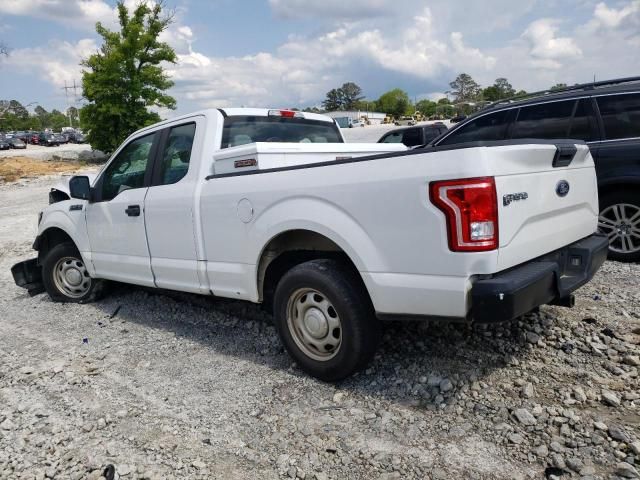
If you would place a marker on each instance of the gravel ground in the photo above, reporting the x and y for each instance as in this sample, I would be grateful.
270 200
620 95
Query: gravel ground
178 386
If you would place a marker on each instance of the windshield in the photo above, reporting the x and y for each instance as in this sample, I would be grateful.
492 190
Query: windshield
240 130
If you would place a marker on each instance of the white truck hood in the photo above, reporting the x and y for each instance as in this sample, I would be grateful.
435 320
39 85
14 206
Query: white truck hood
63 184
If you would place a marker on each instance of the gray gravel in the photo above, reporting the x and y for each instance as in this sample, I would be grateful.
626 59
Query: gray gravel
178 386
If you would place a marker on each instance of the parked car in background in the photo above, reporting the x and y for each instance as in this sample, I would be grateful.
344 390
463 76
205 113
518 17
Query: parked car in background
414 136
4 144
34 138
60 138
606 115
76 137
48 139
406 120
458 118
17 143
24 136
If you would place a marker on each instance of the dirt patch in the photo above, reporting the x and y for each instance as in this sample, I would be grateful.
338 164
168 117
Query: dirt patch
14 168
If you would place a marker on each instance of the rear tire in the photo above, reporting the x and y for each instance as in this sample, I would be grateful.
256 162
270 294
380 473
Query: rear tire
65 277
325 319
620 220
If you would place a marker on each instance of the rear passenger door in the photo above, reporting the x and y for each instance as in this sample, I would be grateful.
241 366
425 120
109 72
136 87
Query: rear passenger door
572 119
170 208
617 153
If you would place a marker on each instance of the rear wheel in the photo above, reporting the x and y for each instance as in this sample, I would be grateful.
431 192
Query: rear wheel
325 319
619 220
66 278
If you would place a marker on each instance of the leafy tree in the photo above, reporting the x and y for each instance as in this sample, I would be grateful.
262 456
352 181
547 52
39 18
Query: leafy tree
558 86
464 88
505 89
351 94
73 114
125 78
394 102
519 93
443 101
426 107
333 101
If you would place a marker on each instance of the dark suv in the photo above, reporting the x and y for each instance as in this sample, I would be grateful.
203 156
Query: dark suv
606 115
414 136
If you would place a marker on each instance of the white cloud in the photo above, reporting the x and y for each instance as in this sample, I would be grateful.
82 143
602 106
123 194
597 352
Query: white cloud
58 63
78 14
545 45
337 9
614 18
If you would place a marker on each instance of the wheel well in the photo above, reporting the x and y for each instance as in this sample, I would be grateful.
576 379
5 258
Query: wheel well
49 239
289 249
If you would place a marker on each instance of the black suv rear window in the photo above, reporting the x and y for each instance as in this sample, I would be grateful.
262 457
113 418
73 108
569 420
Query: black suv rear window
620 115
240 130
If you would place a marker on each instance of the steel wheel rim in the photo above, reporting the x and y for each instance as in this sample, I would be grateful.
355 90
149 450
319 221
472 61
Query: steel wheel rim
71 277
314 324
621 224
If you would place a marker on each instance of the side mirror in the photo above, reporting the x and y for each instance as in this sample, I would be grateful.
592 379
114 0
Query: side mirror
79 187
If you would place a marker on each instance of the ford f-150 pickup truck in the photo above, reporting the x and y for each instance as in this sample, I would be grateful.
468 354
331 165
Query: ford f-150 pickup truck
271 206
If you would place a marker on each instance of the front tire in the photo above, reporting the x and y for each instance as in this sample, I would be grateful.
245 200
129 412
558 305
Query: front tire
619 219
325 319
66 278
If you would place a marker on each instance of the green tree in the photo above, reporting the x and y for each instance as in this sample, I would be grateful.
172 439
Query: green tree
426 107
558 86
464 88
125 78
394 102
351 95
333 101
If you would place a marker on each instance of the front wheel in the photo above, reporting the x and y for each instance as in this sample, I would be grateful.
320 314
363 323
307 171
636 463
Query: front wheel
325 319
66 278
619 220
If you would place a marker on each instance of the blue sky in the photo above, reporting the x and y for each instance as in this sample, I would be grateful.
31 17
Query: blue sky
286 53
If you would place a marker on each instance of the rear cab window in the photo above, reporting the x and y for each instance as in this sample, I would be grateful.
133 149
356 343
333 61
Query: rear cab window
620 115
242 129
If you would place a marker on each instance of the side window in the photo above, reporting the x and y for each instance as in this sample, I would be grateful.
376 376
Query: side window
127 170
395 137
581 124
177 154
547 120
620 115
412 137
486 128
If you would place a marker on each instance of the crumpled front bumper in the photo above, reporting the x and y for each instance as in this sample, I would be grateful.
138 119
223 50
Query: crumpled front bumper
549 279
28 274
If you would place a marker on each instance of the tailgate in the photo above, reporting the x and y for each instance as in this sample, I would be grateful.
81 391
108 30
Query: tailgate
548 199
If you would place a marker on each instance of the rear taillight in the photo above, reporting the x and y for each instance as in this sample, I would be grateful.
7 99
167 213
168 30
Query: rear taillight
471 208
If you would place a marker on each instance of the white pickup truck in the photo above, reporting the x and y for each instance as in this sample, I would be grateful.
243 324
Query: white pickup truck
332 237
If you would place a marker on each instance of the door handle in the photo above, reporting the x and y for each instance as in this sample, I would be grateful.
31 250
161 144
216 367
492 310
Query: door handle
133 210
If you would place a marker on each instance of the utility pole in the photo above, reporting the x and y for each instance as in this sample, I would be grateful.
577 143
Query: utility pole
66 88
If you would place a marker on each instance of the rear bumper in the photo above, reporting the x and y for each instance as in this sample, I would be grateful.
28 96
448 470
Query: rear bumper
548 279
28 274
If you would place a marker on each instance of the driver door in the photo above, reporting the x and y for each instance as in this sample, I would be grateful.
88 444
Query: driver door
115 217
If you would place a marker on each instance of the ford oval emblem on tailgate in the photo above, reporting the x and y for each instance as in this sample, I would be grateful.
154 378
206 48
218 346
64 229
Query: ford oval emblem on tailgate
562 188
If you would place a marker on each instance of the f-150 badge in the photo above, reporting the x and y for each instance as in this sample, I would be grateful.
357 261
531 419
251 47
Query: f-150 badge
514 197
